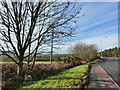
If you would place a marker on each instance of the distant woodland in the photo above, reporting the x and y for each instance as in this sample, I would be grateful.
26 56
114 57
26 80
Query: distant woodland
112 52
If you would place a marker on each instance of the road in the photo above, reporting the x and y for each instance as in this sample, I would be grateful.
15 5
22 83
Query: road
112 67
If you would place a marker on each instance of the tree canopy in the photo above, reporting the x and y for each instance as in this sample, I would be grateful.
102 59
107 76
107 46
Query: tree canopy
84 50
112 52
27 26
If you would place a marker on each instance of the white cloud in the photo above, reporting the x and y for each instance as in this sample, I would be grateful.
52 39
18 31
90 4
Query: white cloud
107 42
98 32
97 13
85 0
94 24
100 20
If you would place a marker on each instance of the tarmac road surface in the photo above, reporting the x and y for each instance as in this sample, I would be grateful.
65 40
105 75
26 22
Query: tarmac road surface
112 67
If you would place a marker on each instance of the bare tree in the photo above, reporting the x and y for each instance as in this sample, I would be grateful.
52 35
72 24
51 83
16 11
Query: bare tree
83 50
25 27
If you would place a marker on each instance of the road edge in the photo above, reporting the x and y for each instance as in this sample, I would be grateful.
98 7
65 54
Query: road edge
110 77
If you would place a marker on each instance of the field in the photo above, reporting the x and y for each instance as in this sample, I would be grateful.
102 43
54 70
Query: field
71 78
37 62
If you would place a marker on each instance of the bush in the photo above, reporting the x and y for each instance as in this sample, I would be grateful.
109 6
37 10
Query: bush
70 78
9 72
40 71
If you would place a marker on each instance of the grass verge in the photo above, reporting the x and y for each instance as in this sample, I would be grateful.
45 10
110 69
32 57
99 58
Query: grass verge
98 62
70 78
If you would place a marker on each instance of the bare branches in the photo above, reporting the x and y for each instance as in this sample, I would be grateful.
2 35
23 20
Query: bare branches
84 50
26 26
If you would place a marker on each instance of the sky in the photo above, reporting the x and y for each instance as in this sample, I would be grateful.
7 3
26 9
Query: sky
99 25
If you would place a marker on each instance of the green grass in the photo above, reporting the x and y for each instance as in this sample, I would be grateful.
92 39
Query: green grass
45 62
70 78
37 62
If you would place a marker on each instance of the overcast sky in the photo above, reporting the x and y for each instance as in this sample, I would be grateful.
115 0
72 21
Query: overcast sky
98 26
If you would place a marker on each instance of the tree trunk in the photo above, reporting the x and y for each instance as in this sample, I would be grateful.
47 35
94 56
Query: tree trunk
20 69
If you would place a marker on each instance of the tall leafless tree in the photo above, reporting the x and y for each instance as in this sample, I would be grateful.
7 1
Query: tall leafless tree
83 50
25 27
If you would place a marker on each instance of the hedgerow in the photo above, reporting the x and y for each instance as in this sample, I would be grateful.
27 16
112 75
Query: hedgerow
40 71
70 78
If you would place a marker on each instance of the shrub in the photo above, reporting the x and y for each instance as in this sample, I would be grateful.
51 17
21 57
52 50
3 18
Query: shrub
75 78
40 71
9 72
